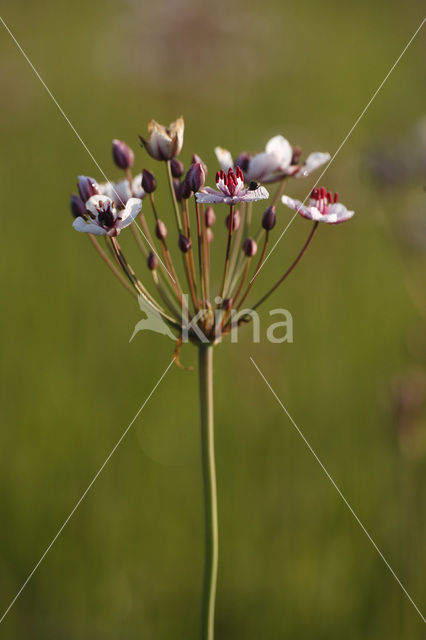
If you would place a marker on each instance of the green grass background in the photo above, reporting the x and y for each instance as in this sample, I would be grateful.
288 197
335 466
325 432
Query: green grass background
293 561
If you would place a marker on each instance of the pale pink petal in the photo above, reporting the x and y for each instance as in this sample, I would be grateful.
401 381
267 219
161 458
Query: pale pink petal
80 224
337 213
261 165
313 162
296 205
279 147
133 208
210 197
224 158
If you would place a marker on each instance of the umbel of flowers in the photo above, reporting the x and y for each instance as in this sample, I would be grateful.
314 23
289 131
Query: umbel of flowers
189 304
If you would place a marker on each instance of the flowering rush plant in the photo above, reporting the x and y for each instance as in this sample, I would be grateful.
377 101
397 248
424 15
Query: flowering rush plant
188 305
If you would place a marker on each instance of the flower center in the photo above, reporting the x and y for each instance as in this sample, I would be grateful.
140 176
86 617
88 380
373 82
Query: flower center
231 183
105 214
323 199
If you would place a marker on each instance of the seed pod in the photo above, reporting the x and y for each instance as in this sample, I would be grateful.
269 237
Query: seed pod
152 261
160 230
209 235
269 218
184 243
122 154
149 183
77 206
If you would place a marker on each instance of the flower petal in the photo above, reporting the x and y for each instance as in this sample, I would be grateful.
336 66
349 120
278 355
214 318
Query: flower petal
210 197
307 212
337 213
261 165
313 162
80 224
133 208
279 147
224 158
138 192
249 195
119 192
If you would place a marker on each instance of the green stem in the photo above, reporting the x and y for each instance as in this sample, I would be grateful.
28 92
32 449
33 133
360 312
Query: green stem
205 372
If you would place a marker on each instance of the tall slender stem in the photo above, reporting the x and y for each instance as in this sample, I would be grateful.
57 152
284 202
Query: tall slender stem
205 372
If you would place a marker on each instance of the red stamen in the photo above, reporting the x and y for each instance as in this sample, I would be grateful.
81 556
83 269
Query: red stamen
336 197
217 176
329 197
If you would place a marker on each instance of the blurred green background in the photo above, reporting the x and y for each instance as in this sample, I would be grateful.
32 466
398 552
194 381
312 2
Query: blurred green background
293 561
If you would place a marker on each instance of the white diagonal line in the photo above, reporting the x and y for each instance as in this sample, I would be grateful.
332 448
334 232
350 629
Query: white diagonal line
92 482
345 139
339 492
78 136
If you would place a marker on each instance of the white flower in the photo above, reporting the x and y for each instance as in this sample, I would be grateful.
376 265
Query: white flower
103 217
164 143
323 207
120 192
277 161
231 189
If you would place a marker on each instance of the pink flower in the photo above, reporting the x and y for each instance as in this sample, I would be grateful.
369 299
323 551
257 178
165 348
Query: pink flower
231 189
103 217
323 207
277 161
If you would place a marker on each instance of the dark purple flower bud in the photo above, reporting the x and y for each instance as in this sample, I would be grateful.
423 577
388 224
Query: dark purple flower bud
122 154
249 247
227 304
184 243
236 220
195 177
77 206
209 217
196 158
177 168
269 218
152 261
243 161
160 230
87 187
149 183
297 152
185 189
178 189
209 235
